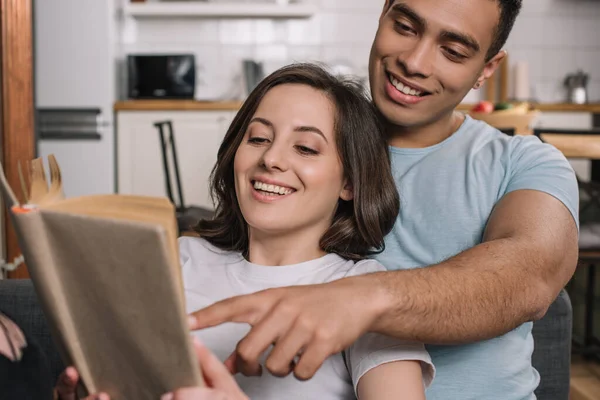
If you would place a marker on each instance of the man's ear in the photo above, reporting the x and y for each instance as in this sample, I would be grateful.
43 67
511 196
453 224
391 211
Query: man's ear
347 192
489 68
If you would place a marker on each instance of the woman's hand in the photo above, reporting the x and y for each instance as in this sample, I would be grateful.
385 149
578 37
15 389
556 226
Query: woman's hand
220 383
66 387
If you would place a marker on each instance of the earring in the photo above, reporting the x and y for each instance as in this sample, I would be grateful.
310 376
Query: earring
477 85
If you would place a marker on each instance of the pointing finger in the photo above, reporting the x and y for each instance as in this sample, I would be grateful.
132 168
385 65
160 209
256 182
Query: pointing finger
244 309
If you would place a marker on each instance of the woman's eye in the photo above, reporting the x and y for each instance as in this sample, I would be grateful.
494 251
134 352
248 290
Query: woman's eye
403 28
257 140
306 150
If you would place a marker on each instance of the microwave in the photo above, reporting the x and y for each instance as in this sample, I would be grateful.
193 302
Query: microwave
161 76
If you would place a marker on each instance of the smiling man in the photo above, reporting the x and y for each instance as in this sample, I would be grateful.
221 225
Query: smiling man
486 236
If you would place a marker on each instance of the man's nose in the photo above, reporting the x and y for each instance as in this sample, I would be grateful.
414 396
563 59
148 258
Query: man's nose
419 60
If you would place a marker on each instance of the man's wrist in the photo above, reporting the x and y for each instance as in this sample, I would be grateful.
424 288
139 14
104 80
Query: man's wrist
377 298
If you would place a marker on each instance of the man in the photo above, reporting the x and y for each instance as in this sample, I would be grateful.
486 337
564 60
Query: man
487 232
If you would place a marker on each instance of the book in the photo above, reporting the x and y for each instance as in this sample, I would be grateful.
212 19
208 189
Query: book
107 275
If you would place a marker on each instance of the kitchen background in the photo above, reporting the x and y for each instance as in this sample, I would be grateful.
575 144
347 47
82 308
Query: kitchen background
81 47
554 37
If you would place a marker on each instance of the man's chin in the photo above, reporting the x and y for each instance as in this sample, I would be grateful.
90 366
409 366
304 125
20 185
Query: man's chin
403 117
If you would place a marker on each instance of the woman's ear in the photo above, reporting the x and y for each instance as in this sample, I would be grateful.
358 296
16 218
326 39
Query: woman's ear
347 192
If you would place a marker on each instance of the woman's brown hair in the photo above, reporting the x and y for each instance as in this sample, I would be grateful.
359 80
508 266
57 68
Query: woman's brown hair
359 225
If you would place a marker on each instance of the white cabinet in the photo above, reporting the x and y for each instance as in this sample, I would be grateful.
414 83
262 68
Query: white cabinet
570 120
565 120
198 135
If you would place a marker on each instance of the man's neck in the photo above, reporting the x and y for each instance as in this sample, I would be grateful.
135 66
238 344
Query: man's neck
426 135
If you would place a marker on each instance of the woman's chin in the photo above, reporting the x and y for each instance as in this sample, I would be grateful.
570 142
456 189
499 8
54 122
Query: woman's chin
261 227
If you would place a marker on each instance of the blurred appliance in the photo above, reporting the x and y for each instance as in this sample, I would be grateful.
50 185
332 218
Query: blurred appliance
75 88
576 85
163 76
253 74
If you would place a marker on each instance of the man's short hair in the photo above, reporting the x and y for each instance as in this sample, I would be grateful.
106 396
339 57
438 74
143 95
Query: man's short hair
509 9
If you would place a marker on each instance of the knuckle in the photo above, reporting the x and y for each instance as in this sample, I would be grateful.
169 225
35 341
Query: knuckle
302 373
245 351
324 335
287 308
305 323
277 368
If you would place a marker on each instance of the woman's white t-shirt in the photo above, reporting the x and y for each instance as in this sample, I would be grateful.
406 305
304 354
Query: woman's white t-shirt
211 274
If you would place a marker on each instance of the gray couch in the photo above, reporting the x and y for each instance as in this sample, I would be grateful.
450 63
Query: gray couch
552 335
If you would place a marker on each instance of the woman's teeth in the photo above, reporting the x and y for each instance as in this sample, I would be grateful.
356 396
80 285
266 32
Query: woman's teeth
403 88
271 189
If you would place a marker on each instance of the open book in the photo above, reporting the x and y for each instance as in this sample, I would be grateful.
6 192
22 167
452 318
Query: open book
106 271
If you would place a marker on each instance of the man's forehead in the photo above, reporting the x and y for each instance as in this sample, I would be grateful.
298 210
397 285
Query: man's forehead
456 15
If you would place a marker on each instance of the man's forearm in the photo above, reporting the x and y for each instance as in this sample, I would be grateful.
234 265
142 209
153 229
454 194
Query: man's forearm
481 293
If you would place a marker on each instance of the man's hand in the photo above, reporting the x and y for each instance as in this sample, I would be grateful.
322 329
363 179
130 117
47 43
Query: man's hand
311 322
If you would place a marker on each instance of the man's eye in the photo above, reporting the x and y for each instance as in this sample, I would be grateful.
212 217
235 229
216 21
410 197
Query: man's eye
403 28
306 150
454 55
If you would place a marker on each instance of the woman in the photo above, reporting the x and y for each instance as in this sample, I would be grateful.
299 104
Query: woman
297 204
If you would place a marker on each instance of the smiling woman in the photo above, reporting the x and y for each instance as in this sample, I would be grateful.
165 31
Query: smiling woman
302 138
298 204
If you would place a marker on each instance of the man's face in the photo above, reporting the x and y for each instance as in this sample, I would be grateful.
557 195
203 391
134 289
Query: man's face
428 54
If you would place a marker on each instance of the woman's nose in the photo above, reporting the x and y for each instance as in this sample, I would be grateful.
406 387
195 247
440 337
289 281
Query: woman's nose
274 158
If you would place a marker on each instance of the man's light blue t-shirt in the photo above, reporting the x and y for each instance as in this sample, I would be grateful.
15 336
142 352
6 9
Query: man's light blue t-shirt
447 193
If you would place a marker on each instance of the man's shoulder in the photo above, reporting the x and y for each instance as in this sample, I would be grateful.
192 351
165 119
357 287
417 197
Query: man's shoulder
483 139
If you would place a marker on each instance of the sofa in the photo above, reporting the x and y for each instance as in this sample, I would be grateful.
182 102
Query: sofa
551 357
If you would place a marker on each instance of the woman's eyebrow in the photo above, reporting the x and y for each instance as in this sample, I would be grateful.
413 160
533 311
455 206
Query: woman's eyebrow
302 128
263 121
311 129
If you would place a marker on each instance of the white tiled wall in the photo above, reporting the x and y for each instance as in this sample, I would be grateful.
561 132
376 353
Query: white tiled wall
554 36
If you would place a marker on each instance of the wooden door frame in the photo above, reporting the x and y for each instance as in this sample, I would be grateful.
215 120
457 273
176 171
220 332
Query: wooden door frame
17 108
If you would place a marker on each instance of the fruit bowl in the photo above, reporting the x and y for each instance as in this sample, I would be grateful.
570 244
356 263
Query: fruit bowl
519 117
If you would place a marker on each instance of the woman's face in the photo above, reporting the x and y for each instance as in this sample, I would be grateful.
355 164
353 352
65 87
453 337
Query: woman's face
288 174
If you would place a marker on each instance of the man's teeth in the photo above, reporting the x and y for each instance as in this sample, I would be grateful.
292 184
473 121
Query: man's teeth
265 187
403 88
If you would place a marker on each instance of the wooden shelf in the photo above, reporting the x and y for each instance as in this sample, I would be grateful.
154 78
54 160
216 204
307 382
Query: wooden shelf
178 9
176 105
192 105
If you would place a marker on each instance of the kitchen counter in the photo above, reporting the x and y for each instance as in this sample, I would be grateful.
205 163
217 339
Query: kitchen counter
593 108
176 105
193 105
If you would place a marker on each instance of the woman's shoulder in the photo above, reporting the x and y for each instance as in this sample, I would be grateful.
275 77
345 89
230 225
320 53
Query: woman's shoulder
366 266
201 250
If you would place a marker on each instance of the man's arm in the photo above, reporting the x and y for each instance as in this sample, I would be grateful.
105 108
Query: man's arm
529 253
